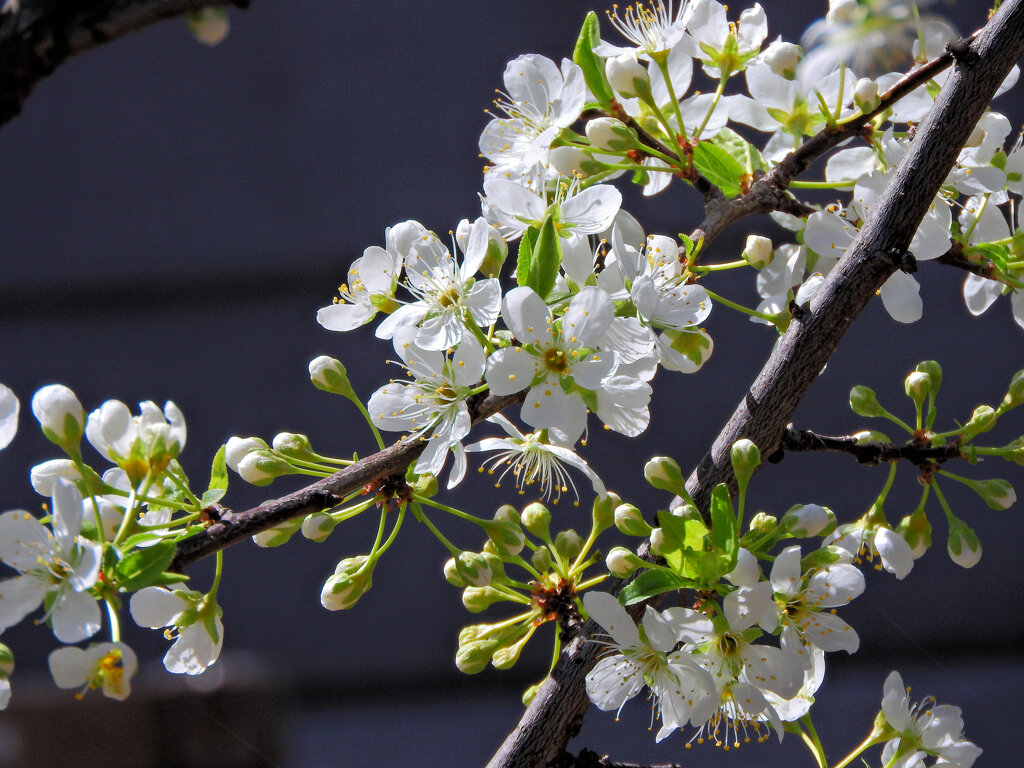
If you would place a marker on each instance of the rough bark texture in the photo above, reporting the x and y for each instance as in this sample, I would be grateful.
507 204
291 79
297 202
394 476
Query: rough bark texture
557 711
44 34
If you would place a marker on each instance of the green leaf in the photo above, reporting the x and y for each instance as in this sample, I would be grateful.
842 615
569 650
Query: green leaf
167 578
995 253
212 496
592 64
142 567
219 471
651 583
525 256
718 167
545 260
740 150
724 531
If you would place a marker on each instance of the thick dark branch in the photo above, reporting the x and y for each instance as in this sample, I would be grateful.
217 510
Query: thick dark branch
871 452
232 527
43 35
556 712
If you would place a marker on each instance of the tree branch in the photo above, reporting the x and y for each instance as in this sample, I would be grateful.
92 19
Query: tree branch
44 34
557 711
871 452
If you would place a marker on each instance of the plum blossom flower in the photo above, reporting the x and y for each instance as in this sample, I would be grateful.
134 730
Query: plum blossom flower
533 459
644 656
650 30
57 566
142 444
924 729
552 355
513 207
540 101
707 23
432 407
984 223
869 540
192 620
372 279
446 294
109 666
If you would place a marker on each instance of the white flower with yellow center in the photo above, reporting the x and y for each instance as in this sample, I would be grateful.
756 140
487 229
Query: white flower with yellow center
108 666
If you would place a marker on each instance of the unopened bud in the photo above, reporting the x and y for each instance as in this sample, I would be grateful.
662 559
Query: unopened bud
349 582
628 76
934 373
1014 394
541 560
630 521
841 11
758 251
603 513
998 494
664 474
746 458
573 161
537 519
863 402
508 538
477 599
262 467
982 420
60 415
657 540
293 446
963 545
237 448
452 575
762 523
610 134
917 386
805 520
622 562
782 58
473 568
330 375
318 526
279 534
568 544
865 94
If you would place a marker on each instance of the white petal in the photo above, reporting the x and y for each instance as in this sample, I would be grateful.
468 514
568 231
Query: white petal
155 607
76 617
68 667
510 370
606 611
526 315
9 409
901 296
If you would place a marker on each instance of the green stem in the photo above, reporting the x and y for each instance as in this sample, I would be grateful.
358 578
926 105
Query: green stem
810 737
183 487
218 570
822 184
418 512
702 268
869 742
719 90
450 510
662 62
366 415
740 308
475 330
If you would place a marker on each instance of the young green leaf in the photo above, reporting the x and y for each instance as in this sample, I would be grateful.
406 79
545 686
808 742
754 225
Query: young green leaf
718 167
545 260
142 567
592 64
651 583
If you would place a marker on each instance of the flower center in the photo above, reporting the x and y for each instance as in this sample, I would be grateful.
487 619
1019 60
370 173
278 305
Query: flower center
556 361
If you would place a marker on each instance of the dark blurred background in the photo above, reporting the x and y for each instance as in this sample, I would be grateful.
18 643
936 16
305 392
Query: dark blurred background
171 217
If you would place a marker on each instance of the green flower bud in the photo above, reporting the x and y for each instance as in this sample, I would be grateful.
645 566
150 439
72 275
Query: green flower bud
982 420
1014 394
763 523
628 76
917 386
610 134
864 403
664 474
506 656
603 513
621 562
758 251
508 513
531 693
537 520
746 458
573 161
330 375
425 486
6 662
657 540
263 467
686 511
805 520
60 415
998 494
497 567
477 599
508 538
473 568
630 521
294 446
279 534
916 531
349 582
934 372
963 545
478 642
318 526
541 560
451 573
568 544
783 59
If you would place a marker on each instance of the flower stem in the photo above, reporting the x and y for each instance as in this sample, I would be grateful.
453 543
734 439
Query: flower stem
740 308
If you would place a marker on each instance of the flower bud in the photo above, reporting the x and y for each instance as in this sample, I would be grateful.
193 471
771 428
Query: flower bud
318 526
998 494
507 655
664 474
841 11
628 76
746 458
916 531
963 545
573 161
610 134
294 446
982 420
473 568
6 662
693 348
863 402
657 540
541 560
630 521
763 523
452 575
536 519
758 251
865 94
237 448
622 562
330 375
497 567
508 513
44 476
508 538
60 415
1014 394
568 544
934 372
806 520
208 25
349 582
782 58
425 485
478 643
477 599
262 467
603 514
917 386
279 534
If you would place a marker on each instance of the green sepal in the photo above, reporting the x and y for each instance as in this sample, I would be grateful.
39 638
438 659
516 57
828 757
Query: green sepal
641 177
545 259
718 167
651 583
141 567
525 256
592 64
